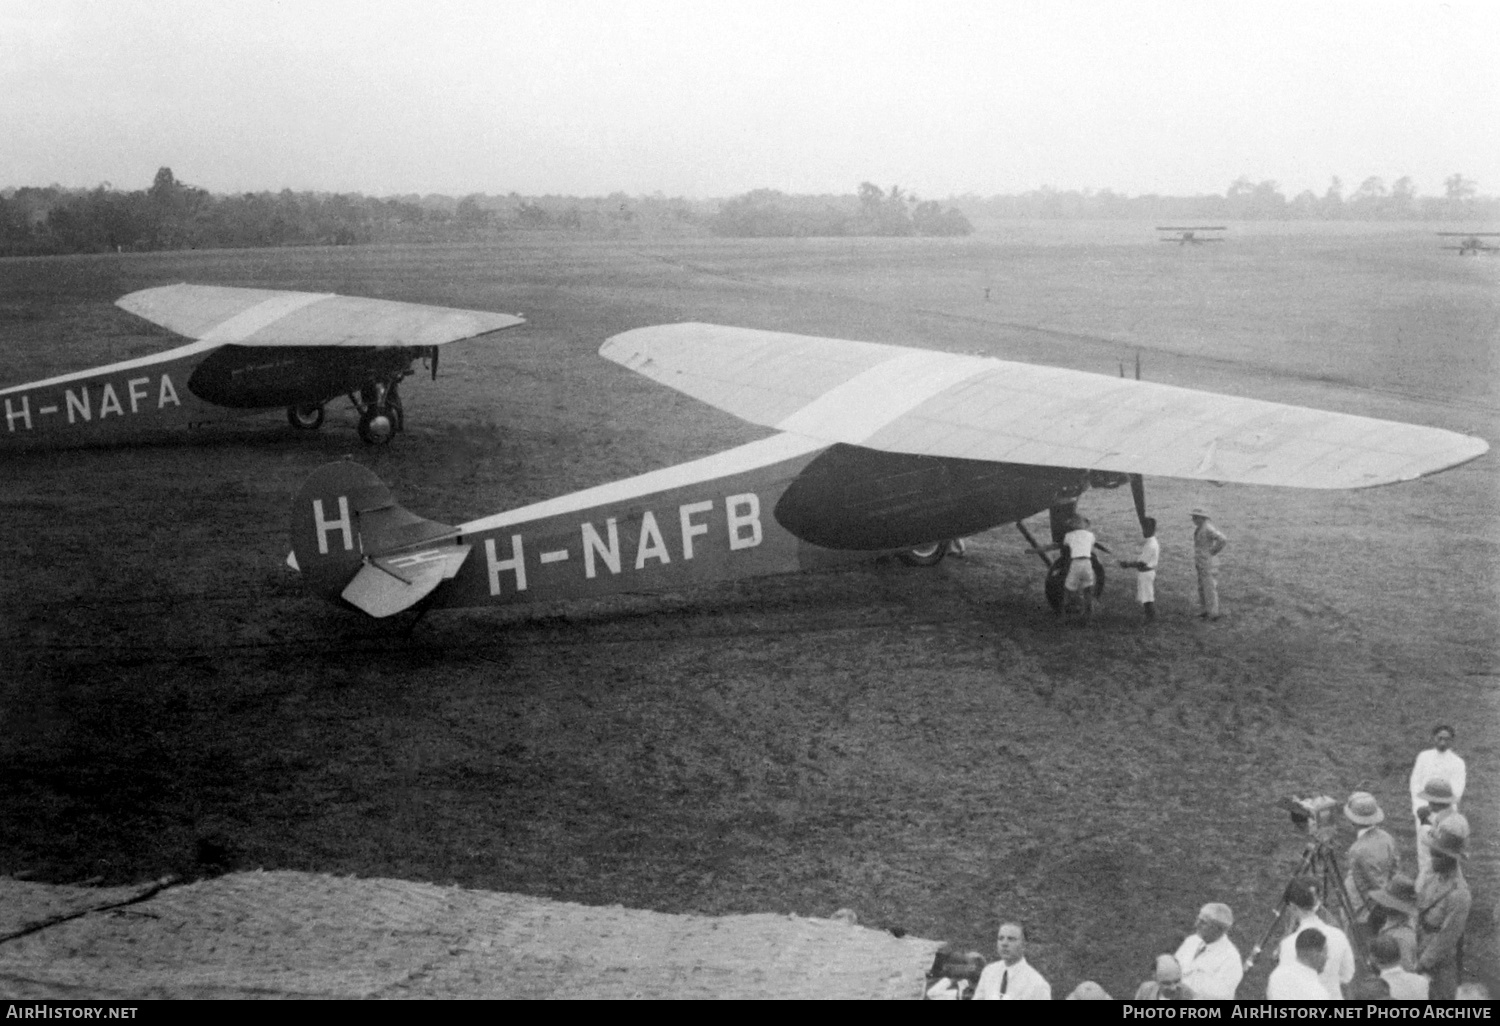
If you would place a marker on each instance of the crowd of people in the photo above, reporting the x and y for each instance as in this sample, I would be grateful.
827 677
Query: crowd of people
1404 938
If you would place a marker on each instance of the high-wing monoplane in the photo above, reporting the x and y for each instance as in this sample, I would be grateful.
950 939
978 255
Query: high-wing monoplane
252 349
877 449
1189 235
1472 242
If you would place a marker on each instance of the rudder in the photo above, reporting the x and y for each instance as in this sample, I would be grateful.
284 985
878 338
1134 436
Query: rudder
343 518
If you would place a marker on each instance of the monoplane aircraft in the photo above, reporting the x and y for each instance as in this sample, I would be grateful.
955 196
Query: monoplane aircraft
1185 236
1472 242
877 449
253 349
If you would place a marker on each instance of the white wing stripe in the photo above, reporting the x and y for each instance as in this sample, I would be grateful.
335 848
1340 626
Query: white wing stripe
247 322
855 410
752 456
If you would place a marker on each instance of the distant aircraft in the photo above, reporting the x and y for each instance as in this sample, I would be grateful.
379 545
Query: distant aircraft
878 449
254 349
1190 235
1472 242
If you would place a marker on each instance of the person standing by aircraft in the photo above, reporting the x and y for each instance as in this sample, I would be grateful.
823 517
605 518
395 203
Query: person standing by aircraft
1145 568
1078 547
1208 542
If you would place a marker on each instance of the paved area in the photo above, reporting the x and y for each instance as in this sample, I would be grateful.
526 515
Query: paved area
280 935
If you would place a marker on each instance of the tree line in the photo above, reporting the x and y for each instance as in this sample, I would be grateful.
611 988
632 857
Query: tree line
1248 200
871 211
174 215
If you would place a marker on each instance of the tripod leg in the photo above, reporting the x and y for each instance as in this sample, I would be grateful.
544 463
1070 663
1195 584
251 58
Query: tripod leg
1336 900
1307 860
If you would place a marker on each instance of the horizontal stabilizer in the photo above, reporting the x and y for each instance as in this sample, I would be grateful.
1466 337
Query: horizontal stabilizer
386 585
266 317
923 402
345 524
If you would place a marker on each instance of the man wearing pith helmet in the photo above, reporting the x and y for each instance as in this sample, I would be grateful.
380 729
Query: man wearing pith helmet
1208 542
1438 799
1211 965
1372 857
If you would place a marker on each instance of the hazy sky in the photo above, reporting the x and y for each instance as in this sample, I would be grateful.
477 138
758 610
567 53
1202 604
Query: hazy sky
706 98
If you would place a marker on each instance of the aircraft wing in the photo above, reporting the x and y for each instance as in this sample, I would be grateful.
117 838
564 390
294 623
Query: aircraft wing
263 317
945 404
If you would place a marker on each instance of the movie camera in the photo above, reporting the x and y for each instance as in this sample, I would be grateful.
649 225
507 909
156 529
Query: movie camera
1313 816
1316 818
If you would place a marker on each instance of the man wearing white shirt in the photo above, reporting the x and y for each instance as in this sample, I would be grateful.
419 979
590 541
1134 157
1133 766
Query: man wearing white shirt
1211 965
1079 544
1297 977
1145 568
1337 968
1405 986
1440 762
1011 978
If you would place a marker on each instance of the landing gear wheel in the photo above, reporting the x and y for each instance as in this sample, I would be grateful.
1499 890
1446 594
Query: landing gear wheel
394 408
1056 585
305 418
378 426
930 554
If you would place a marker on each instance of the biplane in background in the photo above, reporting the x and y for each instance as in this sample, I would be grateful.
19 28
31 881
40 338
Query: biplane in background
1190 236
253 349
878 449
1472 242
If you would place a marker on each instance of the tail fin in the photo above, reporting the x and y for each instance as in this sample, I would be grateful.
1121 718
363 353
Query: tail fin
352 541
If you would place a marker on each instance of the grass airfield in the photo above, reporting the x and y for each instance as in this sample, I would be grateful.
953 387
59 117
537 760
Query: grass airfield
928 747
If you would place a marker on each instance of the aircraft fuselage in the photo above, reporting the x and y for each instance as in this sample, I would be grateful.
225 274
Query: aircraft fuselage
780 505
186 387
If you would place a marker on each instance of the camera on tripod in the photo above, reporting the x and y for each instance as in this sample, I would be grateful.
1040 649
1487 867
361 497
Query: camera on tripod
1313 816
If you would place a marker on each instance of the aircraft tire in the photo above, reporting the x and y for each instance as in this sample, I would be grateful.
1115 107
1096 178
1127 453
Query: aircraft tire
305 418
377 427
1055 587
930 554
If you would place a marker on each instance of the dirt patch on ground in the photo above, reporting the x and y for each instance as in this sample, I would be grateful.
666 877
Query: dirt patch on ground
281 935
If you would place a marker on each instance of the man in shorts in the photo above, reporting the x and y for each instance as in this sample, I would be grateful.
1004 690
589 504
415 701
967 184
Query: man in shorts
1145 568
1079 545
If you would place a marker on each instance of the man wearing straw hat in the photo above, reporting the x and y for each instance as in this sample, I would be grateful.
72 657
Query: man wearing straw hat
1393 914
1372 856
1208 542
1443 902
